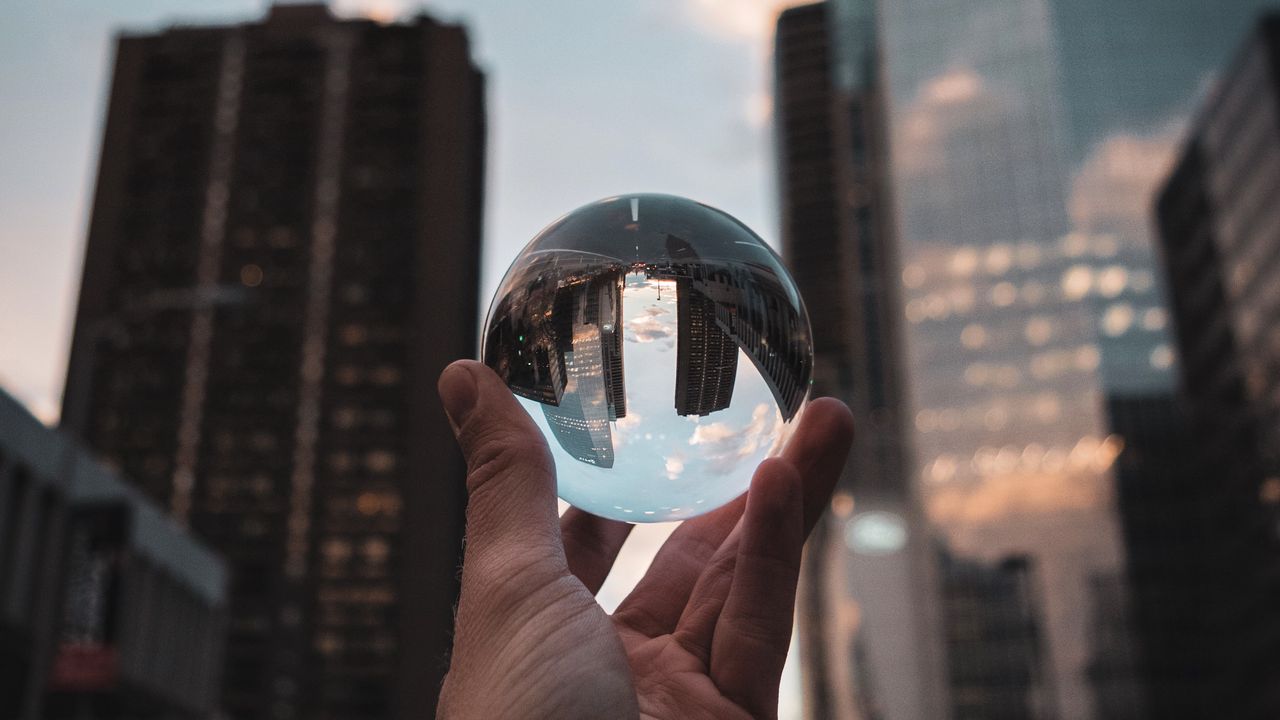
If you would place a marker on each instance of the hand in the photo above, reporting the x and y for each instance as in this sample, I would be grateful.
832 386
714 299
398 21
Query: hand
703 635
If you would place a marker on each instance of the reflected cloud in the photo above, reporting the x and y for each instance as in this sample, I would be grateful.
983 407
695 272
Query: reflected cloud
648 328
725 446
675 466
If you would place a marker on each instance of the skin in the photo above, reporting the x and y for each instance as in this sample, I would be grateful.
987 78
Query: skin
703 635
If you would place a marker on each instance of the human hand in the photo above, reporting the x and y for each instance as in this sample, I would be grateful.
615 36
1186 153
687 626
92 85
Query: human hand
703 635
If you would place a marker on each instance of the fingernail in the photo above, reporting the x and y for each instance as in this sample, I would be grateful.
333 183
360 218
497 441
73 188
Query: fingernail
457 393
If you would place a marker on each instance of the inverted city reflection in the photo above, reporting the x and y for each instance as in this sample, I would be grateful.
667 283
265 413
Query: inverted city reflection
662 349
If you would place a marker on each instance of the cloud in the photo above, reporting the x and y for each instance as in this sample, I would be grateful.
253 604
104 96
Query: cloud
646 328
624 427
742 20
1113 190
724 446
675 466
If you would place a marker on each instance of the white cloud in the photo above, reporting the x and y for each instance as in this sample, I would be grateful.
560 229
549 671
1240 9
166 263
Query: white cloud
675 466
647 327
746 20
1114 188
724 447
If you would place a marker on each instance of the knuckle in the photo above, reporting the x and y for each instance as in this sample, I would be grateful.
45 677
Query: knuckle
495 453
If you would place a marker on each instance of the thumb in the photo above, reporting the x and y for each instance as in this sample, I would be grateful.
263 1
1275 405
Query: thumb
511 484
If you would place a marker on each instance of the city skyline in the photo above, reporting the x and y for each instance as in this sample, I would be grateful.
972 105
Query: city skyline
980 214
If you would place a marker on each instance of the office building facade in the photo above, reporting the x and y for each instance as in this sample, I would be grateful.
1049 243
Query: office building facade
869 617
1026 141
109 611
283 255
1219 221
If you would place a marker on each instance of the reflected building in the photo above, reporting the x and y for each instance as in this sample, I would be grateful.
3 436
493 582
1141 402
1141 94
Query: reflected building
869 613
1026 141
282 257
706 357
1219 219
588 320
749 306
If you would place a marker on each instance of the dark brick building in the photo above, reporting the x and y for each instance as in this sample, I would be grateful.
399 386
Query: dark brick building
283 254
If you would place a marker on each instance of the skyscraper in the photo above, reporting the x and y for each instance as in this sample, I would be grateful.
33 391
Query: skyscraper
991 621
869 619
284 211
589 316
1219 219
1026 139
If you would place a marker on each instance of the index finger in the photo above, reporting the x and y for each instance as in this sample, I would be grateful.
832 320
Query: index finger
817 450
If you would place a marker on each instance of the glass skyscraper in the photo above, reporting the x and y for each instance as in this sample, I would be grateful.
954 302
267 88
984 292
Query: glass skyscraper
1026 140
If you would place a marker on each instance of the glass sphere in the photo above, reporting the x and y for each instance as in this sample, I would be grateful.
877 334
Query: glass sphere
661 347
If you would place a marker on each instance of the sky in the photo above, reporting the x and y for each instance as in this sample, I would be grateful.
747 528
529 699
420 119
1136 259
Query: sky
586 99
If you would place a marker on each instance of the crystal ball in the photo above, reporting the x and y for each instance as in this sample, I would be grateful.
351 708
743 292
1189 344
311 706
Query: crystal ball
661 347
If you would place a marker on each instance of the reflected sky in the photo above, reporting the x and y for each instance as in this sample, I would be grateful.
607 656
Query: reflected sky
667 466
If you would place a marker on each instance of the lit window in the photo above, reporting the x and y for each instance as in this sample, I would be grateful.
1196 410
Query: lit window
336 551
378 503
1112 281
1162 357
1087 358
999 259
943 468
1003 294
1038 331
842 504
964 262
386 375
347 375
353 335
1077 281
973 336
380 461
251 275
1154 319
376 550
1075 244
1117 319
1269 491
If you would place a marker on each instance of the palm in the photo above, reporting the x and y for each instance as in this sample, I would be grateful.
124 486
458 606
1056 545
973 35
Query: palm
706 632
672 682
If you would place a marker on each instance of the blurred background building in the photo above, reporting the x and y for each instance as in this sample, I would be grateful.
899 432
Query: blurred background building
868 619
1023 142
108 610
1219 220
283 255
